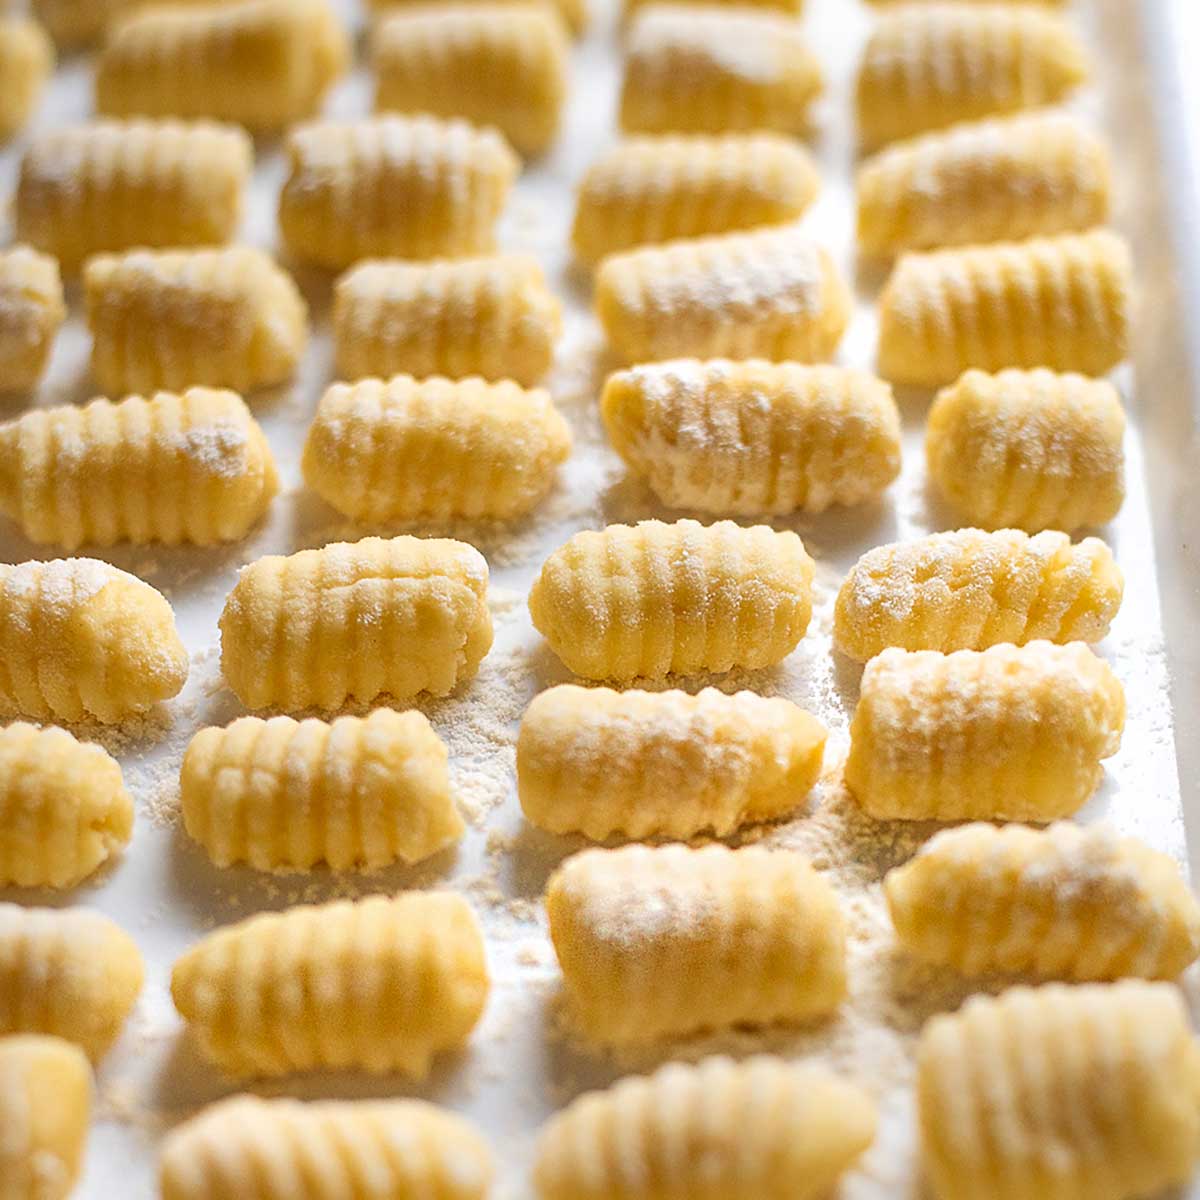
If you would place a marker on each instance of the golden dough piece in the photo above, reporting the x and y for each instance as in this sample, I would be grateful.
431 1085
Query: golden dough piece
573 12
118 185
647 190
754 437
402 449
64 810
658 943
1011 733
380 984
771 293
176 318
652 599
262 63
26 60
790 8
81 638
193 468
704 69
79 23
504 65
69 972
1029 449
1069 902
1059 1092
393 187
286 795
354 620
32 310
968 589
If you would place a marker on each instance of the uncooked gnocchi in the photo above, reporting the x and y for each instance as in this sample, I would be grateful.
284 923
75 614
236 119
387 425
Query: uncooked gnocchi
32 311
573 12
26 60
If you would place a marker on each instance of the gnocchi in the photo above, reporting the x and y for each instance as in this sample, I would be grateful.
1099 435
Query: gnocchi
26 60
32 310
573 12
791 8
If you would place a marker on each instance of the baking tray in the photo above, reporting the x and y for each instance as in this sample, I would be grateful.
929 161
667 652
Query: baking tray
522 1064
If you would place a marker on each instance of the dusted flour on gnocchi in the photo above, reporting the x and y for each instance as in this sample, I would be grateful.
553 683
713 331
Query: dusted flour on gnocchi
1061 1093
493 317
655 189
573 12
66 971
657 943
988 181
1069 902
1029 449
693 69
754 437
45 1107
647 764
771 293
192 468
79 638
287 795
26 60
800 1128
393 186
402 449
967 590
1011 733
927 66
504 65
117 185
354 620
332 1150
1063 303
381 984
652 599
173 318
262 63
32 311
64 810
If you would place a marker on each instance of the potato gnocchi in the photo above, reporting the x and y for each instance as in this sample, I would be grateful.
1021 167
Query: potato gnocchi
402 449
652 599
32 310
354 620
792 8
381 984
573 12
648 764
968 589
286 795
754 437
660 943
26 60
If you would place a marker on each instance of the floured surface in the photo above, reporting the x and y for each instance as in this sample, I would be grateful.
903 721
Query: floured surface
521 1065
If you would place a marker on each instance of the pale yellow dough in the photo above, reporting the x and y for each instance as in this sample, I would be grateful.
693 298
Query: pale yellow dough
26 60
32 310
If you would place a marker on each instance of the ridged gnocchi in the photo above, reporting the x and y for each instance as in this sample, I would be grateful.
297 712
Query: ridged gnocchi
683 75
771 293
32 310
754 437
652 599
504 65
657 943
1061 1093
331 1150
170 468
119 185
647 190
666 1136
968 589
175 318
45 1108
79 638
1069 902
354 620
573 12
26 60
663 764
286 795
1062 303
68 972
64 810
1029 449
393 186
381 984
927 66
989 181
1012 733
403 448
791 8
262 63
